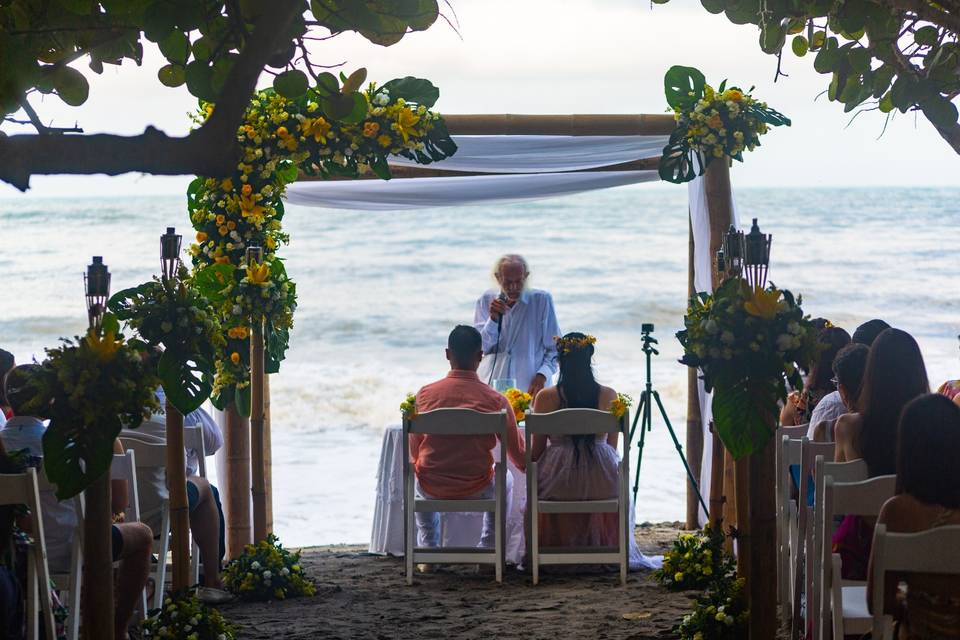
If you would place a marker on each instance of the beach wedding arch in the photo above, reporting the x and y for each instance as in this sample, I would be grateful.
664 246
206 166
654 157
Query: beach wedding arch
711 124
331 130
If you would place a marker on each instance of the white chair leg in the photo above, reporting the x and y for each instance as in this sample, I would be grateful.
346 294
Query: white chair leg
73 598
409 506
624 545
161 574
33 610
534 524
501 492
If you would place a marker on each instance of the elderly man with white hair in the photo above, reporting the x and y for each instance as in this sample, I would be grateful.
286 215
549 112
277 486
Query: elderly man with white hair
518 326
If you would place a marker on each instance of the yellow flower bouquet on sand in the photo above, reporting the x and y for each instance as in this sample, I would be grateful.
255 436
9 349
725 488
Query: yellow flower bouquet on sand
519 402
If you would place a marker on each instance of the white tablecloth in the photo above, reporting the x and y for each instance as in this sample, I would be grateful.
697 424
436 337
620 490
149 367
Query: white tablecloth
458 529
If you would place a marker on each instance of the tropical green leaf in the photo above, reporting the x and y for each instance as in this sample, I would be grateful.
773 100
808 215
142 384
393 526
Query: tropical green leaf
71 86
242 400
413 89
213 280
683 86
291 84
75 455
185 380
743 414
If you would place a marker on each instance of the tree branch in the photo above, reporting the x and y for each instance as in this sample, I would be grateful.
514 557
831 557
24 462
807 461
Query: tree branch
212 150
925 11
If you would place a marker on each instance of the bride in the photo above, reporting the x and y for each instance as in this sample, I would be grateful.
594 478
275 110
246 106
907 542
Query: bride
579 467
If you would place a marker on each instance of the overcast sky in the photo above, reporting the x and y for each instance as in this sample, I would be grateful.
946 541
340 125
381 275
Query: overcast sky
563 56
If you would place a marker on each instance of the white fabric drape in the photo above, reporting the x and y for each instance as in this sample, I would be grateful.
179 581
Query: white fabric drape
702 266
543 154
421 193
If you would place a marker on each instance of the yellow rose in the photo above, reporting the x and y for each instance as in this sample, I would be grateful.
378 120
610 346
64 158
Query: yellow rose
231 225
223 230
201 236
370 129
246 189
282 132
221 219
235 358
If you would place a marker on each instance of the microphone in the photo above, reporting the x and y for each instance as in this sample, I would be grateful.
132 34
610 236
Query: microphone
502 298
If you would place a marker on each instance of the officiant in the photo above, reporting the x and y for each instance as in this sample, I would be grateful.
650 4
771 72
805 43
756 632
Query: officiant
518 325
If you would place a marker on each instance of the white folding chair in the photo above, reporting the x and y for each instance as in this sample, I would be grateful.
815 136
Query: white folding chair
788 453
69 582
22 488
449 422
572 422
844 601
803 560
124 467
932 551
193 440
149 458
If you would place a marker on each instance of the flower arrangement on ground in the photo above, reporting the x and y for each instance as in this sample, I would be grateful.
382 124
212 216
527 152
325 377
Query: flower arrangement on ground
719 614
184 617
173 314
267 571
747 344
711 123
329 130
90 388
621 405
696 561
408 408
519 402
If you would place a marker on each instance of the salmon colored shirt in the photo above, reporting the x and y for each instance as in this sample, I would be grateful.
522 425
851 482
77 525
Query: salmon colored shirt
461 466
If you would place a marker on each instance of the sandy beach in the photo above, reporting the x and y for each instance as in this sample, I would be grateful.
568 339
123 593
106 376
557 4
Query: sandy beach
364 596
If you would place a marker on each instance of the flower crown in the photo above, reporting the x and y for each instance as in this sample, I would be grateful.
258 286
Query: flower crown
566 345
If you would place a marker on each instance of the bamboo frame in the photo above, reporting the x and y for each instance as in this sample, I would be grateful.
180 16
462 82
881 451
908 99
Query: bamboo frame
694 419
267 453
258 487
236 445
179 508
97 585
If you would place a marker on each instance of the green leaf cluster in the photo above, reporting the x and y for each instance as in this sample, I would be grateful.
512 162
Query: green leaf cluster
900 55
41 43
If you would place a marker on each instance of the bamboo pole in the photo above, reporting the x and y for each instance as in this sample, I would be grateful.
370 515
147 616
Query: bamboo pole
560 125
97 586
762 585
236 445
717 499
256 432
179 509
694 420
267 453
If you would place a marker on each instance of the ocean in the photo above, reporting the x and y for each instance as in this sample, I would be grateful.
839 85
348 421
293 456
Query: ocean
380 291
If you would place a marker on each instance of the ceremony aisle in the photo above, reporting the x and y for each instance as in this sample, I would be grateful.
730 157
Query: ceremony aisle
363 596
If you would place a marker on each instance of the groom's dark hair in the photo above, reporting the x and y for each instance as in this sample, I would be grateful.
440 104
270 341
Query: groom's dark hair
464 342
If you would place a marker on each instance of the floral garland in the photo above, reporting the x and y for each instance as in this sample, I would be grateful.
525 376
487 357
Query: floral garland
747 343
176 316
519 402
621 405
279 138
408 408
696 561
184 616
567 345
267 571
711 123
720 614
90 388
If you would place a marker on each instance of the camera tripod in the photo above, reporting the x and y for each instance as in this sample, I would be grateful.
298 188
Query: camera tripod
645 415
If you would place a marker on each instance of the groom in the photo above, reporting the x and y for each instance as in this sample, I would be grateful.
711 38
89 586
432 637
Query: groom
522 346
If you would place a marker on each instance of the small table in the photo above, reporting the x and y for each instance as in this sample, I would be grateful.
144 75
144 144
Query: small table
457 529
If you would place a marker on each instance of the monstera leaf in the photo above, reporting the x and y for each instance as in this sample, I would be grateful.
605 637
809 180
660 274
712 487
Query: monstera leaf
186 380
74 455
678 163
744 414
683 86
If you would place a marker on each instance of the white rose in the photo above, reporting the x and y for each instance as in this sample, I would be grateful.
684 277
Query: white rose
237 310
727 337
267 574
254 565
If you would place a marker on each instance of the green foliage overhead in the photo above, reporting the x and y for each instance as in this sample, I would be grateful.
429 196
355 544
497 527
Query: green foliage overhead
43 43
890 55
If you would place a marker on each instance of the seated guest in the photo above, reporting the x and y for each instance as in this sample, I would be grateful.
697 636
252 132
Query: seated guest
928 495
460 466
832 406
206 512
894 376
578 467
800 405
212 433
951 389
848 368
6 364
132 541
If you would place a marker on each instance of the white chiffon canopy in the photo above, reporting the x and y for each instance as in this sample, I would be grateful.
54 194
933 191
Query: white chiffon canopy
520 168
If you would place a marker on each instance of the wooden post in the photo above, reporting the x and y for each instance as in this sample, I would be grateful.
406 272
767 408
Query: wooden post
716 484
742 502
694 423
256 432
236 445
97 586
179 509
762 552
267 453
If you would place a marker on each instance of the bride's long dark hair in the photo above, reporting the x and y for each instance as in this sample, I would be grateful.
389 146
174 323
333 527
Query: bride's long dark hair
576 384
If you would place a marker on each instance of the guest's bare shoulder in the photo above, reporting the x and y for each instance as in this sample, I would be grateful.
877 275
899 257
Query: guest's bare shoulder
847 427
547 400
607 396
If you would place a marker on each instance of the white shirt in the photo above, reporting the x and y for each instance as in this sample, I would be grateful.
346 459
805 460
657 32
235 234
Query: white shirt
526 345
59 518
212 435
829 408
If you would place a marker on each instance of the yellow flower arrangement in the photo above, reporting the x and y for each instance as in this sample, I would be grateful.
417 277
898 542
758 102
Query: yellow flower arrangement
567 345
519 402
408 408
258 273
104 347
267 571
621 405
763 303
